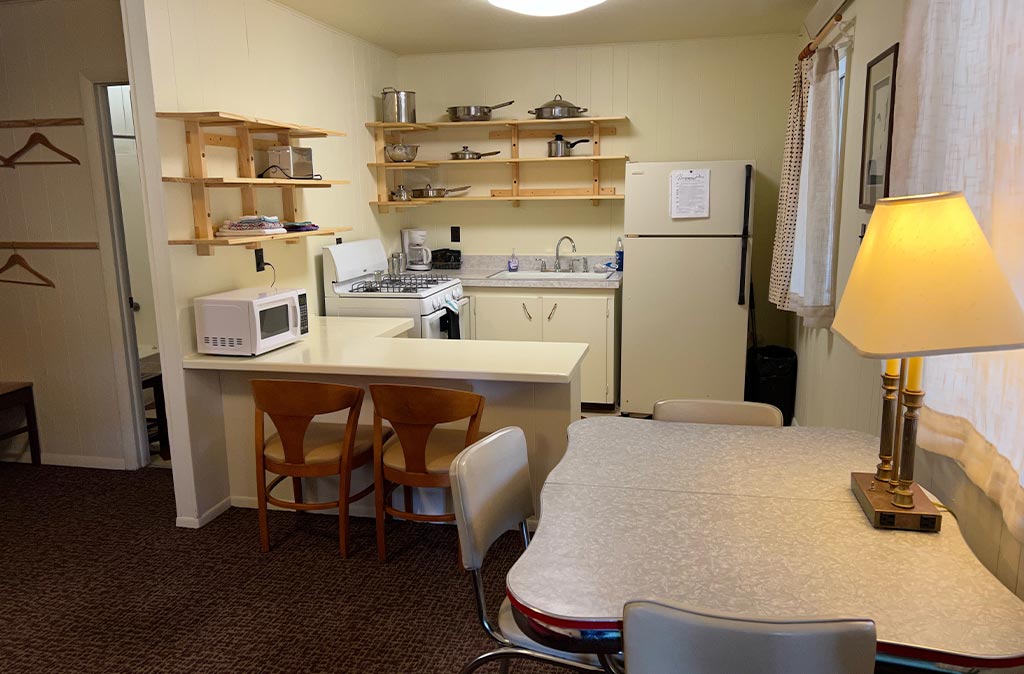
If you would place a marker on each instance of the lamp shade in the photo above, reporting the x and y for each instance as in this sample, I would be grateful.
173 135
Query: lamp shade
926 282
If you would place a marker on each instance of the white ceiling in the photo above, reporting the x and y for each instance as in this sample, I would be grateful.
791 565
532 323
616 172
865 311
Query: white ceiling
432 26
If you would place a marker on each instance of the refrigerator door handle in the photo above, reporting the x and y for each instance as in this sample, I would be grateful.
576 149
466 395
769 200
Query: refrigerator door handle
745 235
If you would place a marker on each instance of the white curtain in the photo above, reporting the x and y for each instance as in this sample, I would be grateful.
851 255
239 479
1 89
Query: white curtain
811 285
802 274
960 126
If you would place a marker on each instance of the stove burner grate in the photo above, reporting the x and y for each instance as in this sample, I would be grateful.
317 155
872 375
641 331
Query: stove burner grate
401 283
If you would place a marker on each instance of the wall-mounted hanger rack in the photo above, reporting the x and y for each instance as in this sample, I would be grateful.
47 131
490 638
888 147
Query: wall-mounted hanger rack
18 261
49 245
47 121
40 140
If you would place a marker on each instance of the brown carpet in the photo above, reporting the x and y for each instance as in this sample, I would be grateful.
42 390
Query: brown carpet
95 577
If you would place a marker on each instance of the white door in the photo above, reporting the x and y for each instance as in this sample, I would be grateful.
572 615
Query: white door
583 319
647 209
684 334
508 317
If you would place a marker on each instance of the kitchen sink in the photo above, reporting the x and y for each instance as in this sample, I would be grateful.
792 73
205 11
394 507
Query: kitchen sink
551 275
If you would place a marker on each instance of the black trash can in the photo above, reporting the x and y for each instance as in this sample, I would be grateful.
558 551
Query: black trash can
771 378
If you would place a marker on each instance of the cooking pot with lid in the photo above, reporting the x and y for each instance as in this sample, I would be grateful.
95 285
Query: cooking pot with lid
557 108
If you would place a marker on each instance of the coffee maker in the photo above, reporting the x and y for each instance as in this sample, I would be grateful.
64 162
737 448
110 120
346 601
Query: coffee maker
414 245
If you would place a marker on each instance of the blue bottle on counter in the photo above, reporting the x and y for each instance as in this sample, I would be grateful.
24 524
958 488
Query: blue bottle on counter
620 254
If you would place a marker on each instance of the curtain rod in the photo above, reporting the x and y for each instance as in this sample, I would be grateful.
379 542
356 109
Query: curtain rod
812 46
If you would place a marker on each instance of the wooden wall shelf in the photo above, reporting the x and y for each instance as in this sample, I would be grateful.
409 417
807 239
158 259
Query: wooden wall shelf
384 205
431 126
255 182
430 163
255 241
243 141
390 132
253 124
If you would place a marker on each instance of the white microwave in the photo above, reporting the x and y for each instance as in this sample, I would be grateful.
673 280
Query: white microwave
250 321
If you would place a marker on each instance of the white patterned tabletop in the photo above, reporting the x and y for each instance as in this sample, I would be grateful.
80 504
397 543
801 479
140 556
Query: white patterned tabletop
750 521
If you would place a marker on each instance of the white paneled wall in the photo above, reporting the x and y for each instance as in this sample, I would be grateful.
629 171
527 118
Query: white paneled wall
257 58
702 99
60 338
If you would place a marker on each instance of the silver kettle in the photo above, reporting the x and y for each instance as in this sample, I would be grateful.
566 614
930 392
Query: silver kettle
560 147
400 194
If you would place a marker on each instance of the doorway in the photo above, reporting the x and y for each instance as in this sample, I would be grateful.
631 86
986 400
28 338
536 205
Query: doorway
131 253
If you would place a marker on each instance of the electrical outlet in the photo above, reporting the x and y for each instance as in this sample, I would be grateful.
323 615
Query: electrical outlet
260 265
456 234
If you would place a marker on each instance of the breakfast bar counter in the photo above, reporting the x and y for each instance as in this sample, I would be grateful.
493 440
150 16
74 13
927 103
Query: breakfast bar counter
533 385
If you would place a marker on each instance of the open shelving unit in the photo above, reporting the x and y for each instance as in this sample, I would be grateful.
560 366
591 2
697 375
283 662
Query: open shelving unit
513 130
245 142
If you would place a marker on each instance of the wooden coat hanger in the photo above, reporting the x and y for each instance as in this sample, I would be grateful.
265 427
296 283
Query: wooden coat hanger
18 261
34 140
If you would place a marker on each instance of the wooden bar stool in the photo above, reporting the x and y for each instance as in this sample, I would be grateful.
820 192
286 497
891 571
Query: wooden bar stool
304 448
19 394
419 455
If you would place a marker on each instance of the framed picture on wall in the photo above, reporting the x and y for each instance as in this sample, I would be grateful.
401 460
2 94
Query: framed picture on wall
876 146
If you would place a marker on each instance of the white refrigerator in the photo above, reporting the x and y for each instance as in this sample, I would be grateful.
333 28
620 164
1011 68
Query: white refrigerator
686 281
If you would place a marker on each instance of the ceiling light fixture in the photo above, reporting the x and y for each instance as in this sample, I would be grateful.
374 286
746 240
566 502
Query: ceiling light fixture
545 7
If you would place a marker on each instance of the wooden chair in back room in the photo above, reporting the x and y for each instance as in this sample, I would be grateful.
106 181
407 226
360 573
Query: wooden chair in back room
305 448
419 455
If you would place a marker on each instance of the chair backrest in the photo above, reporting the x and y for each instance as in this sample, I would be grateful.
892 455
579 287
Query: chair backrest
292 405
491 490
664 639
414 411
718 412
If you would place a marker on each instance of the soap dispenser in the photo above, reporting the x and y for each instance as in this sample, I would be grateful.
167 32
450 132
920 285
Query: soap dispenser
513 262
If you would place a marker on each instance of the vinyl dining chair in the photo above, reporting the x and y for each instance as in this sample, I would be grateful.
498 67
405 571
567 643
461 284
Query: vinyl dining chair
420 454
491 490
305 448
718 412
660 638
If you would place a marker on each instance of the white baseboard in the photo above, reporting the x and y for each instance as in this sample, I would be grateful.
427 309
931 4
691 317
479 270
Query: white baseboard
356 509
205 518
72 460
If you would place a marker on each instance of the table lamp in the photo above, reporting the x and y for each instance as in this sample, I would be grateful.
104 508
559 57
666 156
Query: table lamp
925 282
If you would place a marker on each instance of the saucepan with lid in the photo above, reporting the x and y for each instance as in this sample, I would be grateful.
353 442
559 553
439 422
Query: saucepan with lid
466 153
429 192
474 113
557 108
560 147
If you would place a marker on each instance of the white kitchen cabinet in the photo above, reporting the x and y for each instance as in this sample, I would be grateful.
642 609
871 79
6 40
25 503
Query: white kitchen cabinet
515 318
586 316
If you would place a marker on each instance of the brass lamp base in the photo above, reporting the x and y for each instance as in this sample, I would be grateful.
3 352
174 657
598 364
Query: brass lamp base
877 505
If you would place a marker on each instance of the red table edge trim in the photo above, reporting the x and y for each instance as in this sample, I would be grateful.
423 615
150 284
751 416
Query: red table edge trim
899 650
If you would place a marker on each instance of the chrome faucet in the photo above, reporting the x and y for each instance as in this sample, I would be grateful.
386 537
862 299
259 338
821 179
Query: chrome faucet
558 257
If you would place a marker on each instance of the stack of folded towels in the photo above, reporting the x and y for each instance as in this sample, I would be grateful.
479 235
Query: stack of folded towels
252 225
256 225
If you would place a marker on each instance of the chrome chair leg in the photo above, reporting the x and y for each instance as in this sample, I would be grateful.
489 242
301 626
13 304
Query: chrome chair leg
506 655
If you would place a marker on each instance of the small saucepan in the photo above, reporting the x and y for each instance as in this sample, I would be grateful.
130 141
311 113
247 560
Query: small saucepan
560 147
474 113
429 192
466 153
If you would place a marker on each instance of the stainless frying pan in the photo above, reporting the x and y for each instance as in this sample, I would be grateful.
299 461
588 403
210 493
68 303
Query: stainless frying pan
474 113
429 192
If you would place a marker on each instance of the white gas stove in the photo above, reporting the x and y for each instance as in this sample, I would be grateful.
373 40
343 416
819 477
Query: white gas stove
356 283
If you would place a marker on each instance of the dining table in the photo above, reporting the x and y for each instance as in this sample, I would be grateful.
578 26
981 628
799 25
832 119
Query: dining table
756 522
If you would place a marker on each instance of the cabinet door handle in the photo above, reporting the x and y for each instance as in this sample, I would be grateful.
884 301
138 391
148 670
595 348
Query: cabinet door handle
527 312
552 311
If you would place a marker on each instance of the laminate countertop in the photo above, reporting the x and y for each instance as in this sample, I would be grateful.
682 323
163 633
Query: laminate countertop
363 346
